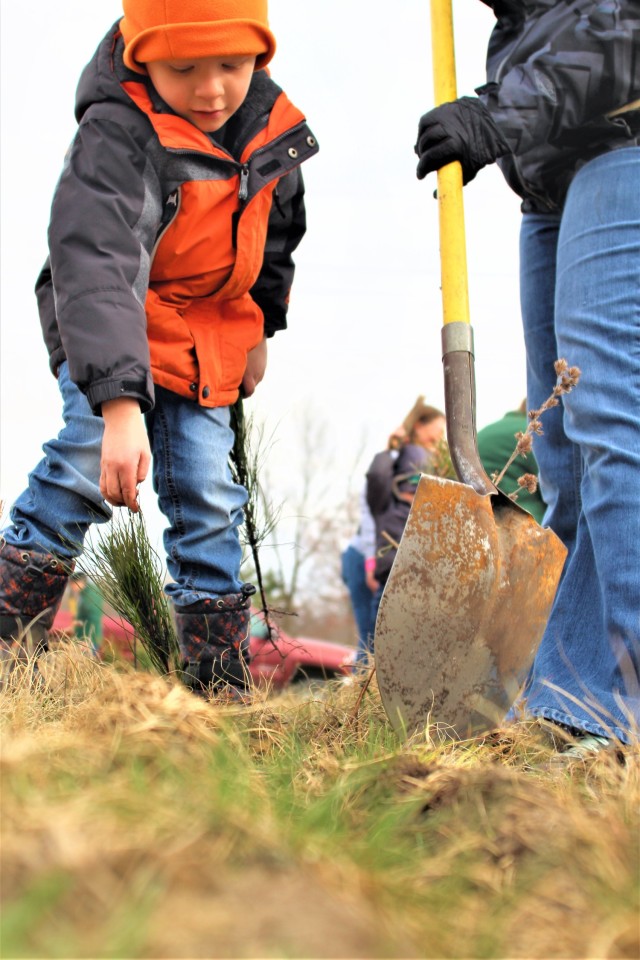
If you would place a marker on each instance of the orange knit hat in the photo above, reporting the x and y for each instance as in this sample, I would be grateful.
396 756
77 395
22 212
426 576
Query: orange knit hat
182 29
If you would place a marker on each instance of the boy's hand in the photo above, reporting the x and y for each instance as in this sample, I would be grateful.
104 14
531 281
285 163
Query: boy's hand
255 369
126 453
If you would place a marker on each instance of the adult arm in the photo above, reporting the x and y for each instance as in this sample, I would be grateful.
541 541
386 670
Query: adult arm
577 63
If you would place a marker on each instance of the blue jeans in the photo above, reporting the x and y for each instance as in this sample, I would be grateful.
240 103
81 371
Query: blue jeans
353 576
191 476
580 291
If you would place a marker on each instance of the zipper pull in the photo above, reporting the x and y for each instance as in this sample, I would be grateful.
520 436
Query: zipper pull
243 192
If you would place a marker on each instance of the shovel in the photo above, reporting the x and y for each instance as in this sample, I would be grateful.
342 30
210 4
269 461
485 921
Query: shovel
474 576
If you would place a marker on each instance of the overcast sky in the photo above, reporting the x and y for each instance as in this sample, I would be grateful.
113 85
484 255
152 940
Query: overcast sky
365 314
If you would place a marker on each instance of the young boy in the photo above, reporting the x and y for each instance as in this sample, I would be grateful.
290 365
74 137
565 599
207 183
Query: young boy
171 234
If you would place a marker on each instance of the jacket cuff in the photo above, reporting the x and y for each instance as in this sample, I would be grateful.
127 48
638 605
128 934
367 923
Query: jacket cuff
272 325
101 392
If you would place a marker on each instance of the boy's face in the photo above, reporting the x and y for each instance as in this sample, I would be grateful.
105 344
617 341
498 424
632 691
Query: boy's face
207 90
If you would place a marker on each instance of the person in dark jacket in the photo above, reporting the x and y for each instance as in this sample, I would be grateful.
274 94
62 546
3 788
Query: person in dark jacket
392 479
560 113
171 239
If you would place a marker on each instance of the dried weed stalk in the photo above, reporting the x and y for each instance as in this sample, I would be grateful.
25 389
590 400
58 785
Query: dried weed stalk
566 379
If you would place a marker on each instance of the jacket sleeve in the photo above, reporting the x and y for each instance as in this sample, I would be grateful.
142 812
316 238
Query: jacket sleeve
48 322
286 228
105 214
577 63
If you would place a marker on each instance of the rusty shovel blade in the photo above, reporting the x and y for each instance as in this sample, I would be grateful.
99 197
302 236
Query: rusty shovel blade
463 610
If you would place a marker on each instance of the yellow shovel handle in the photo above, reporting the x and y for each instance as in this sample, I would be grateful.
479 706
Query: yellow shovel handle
453 250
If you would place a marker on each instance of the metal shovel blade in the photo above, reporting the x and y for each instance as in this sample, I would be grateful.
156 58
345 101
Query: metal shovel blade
463 610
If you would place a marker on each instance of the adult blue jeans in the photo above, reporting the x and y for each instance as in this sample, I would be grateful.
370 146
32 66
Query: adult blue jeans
353 576
191 476
580 292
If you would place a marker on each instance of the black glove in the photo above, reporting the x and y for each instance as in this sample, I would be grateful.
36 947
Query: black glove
463 130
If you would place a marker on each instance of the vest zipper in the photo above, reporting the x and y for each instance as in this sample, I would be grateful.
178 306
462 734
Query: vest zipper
243 191
243 168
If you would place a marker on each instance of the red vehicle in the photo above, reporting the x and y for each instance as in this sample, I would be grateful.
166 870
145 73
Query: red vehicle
280 661
284 659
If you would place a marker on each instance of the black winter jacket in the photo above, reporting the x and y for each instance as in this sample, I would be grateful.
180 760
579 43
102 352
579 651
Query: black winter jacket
556 70
391 483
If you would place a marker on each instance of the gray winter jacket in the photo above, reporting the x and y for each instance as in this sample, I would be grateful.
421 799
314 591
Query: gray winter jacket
556 71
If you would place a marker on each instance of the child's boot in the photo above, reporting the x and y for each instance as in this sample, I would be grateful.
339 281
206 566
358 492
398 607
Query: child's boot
31 589
212 635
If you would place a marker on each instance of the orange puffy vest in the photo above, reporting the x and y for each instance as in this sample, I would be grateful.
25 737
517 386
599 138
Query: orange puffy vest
201 319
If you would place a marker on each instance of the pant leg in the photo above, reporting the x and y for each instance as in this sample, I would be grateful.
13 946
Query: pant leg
197 495
591 646
353 575
558 459
63 496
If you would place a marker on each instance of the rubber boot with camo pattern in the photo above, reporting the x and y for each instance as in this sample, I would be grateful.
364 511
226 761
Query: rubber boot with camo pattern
31 589
212 635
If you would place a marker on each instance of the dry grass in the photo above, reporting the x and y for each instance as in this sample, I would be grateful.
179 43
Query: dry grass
138 821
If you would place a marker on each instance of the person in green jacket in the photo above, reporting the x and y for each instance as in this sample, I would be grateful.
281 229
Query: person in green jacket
496 443
88 613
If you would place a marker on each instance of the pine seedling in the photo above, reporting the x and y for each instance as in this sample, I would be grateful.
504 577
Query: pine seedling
245 463
130 576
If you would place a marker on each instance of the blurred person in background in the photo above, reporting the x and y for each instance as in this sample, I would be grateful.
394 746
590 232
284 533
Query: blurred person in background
358 574
392 479
496 442
88 612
